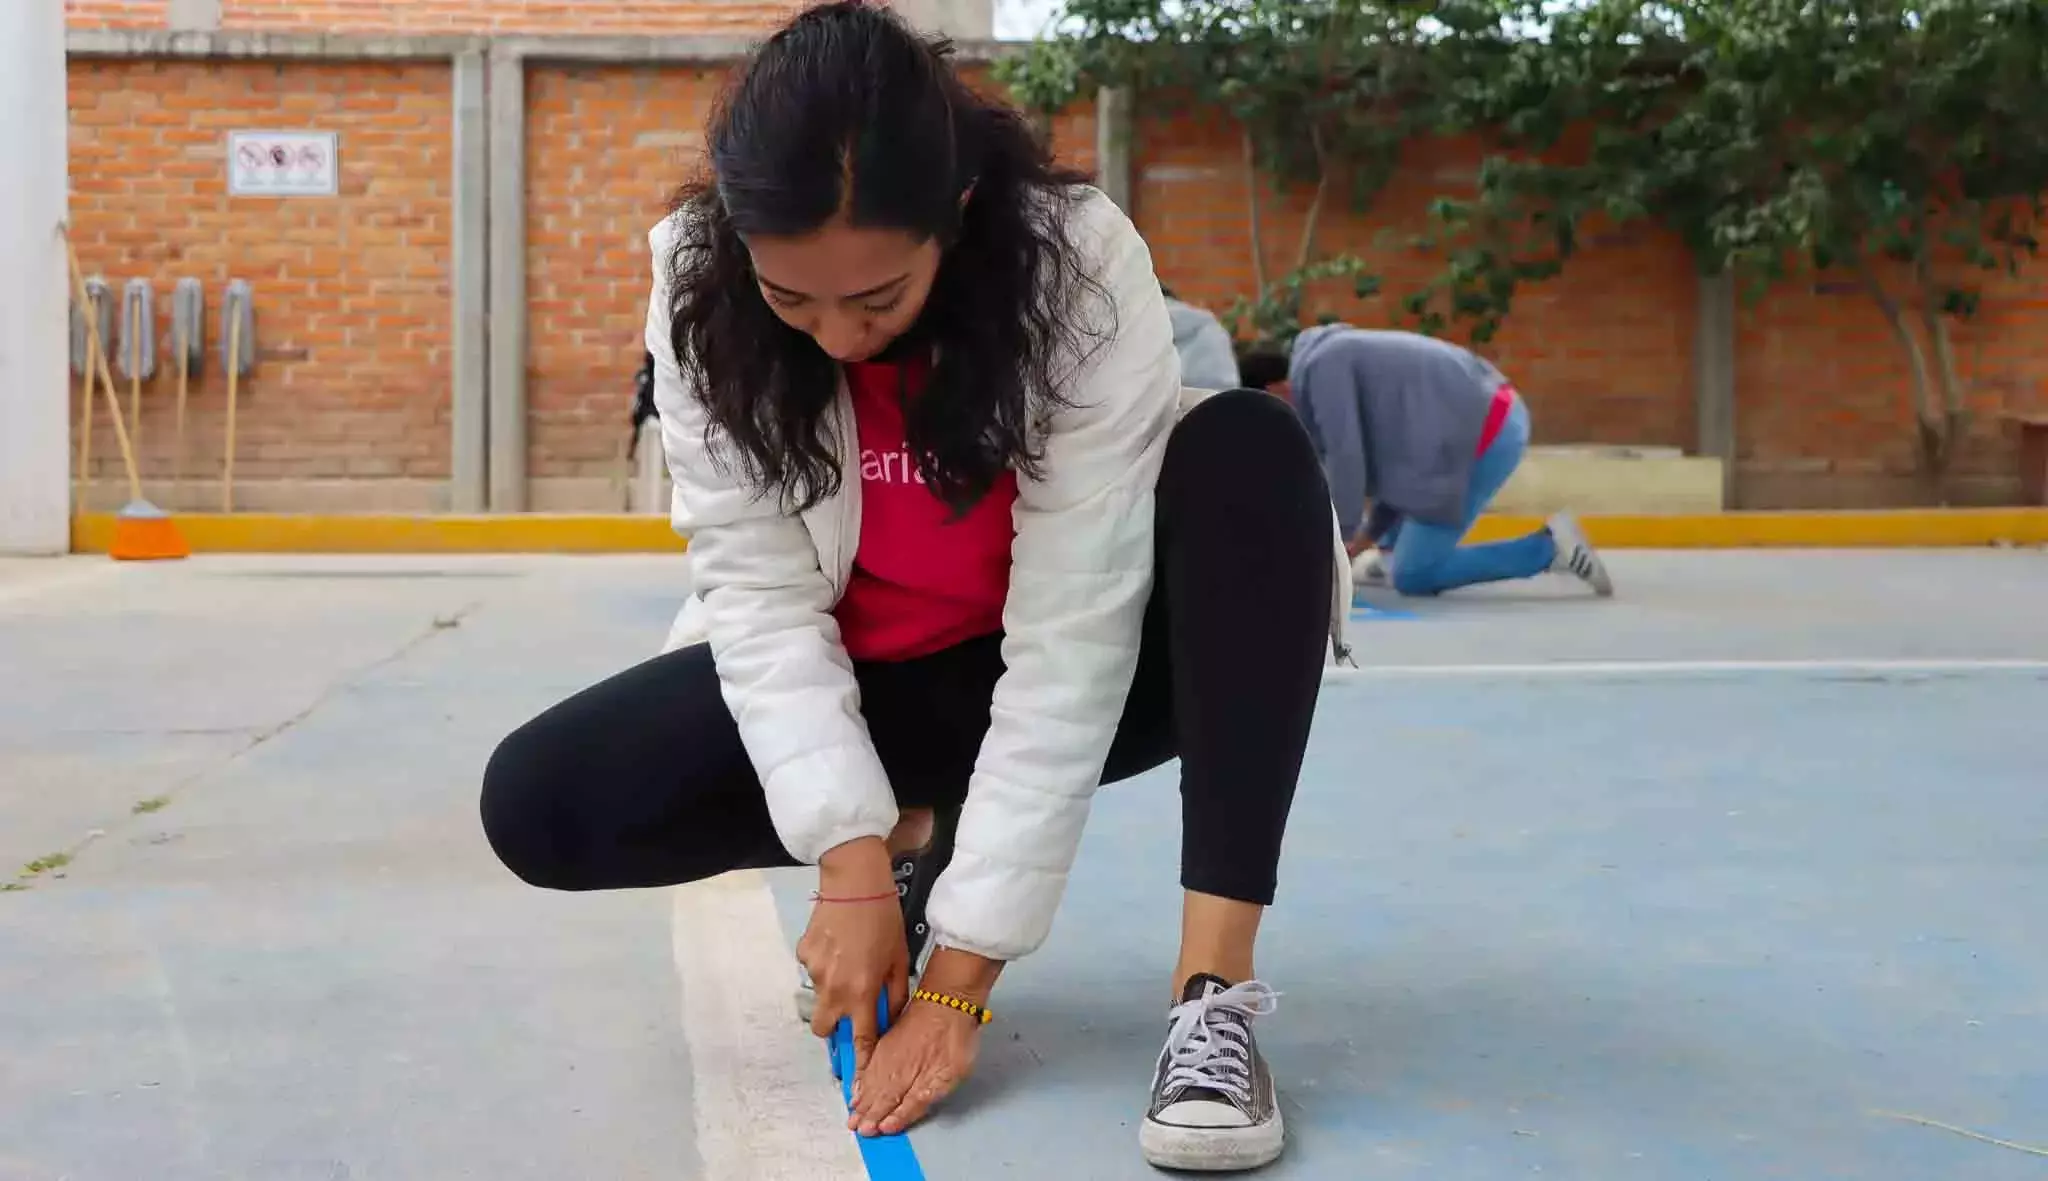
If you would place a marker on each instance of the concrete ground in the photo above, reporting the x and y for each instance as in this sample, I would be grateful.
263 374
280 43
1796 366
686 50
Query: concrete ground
1753 884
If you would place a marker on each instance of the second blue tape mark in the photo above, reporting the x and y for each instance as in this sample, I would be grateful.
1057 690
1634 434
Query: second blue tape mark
1360 609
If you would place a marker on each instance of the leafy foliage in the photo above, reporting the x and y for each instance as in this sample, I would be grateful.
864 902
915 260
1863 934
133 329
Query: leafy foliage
1897 144
1324 95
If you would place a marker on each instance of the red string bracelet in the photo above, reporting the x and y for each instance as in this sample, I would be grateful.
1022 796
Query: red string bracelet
890 896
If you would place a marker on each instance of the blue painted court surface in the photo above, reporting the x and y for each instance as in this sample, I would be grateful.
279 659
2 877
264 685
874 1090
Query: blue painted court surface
1743 874
1601 927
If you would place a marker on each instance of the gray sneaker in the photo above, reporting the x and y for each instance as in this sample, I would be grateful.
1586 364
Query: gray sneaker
914 873
1575 555
1214 1109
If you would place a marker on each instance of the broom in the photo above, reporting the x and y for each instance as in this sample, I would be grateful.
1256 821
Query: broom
84 482
236 309
142 531
83 358
188 320
227 474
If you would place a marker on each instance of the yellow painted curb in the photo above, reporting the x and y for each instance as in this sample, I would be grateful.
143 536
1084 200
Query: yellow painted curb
284 533
620 534
1875 529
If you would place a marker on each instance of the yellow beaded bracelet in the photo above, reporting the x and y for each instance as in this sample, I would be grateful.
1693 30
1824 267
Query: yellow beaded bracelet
973 1010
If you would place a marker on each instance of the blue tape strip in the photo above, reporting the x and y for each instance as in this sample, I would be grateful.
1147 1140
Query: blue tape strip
888 1158
1360 609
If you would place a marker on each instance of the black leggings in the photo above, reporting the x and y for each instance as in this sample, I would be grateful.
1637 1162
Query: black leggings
642 780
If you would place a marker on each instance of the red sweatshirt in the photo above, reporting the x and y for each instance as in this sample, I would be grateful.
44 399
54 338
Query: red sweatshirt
921 580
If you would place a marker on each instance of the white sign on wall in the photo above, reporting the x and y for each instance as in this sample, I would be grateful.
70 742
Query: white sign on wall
283 164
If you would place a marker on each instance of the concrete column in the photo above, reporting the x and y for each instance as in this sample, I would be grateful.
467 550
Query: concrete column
507 282
469 410
1115 116
194 16
1714 377
35 434
962 20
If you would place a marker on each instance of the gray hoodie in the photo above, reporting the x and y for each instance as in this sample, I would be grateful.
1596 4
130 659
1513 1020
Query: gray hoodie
1207 360
1396 417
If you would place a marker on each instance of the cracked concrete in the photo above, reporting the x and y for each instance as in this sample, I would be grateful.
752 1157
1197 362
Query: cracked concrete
132 683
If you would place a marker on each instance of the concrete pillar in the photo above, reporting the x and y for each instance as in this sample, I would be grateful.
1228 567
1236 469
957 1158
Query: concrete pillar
193 16
1714 377
962 20
469 409
35 434
507 397
1114 118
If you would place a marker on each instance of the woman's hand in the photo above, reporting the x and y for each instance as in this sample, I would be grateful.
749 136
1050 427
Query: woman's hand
855 950
929 1052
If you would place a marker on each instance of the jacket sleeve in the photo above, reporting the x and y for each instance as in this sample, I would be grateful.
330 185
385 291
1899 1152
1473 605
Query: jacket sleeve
1081 575
767 607
1328 396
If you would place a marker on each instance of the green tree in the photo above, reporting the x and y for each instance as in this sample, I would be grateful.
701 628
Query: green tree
1898 144
1564 107
1324 95
1895 144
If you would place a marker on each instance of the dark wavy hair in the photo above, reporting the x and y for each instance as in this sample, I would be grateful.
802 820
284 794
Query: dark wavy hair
848 112
1262 369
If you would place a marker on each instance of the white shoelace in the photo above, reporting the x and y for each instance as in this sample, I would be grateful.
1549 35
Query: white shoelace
1204 1051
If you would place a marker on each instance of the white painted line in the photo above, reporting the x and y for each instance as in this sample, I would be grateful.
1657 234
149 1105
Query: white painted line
1595 669
762 1094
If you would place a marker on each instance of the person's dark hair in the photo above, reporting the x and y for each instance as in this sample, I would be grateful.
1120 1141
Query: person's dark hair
847 109
1262 369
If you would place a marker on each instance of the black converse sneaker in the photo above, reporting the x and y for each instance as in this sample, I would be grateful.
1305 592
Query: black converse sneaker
1214 1108
915 873
1576 556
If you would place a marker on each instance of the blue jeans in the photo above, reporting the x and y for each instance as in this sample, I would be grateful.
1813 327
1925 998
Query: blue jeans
1428 560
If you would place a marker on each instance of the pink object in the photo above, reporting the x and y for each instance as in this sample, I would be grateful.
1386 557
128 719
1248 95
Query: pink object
1496 416
921 581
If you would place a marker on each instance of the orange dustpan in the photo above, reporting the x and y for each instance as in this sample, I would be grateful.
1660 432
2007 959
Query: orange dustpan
145 533
142 531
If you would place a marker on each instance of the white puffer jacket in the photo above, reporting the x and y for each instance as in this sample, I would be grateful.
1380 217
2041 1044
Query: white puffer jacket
764 585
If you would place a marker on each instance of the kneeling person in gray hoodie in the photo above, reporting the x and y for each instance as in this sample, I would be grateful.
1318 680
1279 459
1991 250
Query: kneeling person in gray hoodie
1427 433
1208 360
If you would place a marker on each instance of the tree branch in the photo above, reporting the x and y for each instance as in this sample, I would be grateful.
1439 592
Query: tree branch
1306 253
1932 424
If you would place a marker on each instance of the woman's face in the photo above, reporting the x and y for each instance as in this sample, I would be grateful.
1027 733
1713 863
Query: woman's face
854 291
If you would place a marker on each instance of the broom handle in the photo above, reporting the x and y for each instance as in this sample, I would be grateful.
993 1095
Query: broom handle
135 376
178 447
227 483
98 366
84 440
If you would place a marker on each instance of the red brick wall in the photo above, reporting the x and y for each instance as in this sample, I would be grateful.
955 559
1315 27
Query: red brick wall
116 14
1602 352
451 16
1824 411
351 294
606 148
355 380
